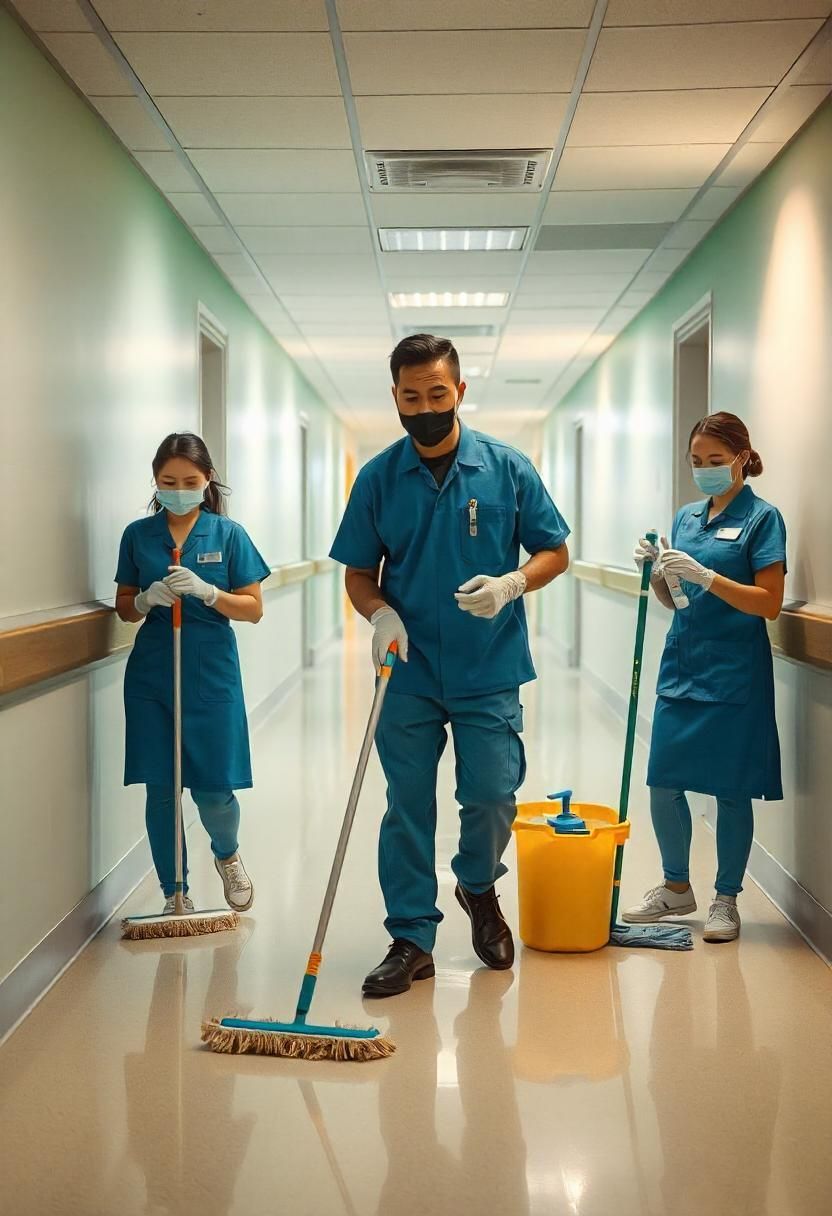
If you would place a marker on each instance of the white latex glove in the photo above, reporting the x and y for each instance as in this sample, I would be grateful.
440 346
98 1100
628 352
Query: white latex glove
388 627
185 582
674 561
157 595
645 551
486 596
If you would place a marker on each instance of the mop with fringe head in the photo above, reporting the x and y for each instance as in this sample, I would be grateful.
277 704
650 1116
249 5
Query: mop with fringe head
182 923
298 1040
655 937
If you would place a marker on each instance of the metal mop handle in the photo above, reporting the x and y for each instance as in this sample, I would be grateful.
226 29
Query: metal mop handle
310 978
176 612
632 721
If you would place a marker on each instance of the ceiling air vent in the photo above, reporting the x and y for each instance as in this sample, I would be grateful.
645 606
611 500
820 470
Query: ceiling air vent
449 172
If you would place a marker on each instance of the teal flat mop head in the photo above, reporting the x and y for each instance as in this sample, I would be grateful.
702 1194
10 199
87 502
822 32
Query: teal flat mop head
295 1040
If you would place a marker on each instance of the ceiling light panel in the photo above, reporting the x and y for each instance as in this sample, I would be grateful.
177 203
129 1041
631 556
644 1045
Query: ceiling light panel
451 240
448 299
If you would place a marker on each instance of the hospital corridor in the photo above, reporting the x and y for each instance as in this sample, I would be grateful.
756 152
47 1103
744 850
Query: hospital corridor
416 607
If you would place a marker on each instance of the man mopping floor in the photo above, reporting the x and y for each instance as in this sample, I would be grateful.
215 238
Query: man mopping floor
431 540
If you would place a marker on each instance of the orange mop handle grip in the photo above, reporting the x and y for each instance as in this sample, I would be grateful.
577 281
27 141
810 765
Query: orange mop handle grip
177 604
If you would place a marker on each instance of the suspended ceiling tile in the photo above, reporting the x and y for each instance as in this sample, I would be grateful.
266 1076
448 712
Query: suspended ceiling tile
715 202
193 208
449 320
657 167
669 12
52 15
471 61
748 163
345 327
724 55
305 240
219 15
452 121
234 264
247 284
616 206
637 298
366 305
600 236
550 318
257 122
592 261
669 259
318 266
165 169
538 285
816 66
463 14
688 234
525 349
237 65
84 59
449 266
303 210
650 280
686 116
276 170
453 210
215 238
788 113
569 295
127 117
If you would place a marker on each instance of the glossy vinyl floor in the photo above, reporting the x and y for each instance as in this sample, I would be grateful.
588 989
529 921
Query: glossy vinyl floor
622 1083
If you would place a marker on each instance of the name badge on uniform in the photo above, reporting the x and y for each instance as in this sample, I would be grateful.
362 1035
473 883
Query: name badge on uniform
728 533
203 558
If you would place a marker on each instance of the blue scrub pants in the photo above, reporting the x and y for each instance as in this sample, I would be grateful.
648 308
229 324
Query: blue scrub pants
734 833
219 811
490 767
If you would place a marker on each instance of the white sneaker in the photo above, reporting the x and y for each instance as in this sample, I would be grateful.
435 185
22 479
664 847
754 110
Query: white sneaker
723 923
239 890
659 903
170 905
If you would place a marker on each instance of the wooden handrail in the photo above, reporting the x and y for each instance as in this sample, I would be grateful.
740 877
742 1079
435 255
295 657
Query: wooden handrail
44 645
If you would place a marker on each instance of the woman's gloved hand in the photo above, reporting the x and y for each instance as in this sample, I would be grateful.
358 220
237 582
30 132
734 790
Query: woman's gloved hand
486 596
157 595
388 627
645 551
674 561
185 582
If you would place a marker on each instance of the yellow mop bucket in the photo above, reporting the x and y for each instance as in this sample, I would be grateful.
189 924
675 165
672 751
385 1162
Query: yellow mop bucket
565 866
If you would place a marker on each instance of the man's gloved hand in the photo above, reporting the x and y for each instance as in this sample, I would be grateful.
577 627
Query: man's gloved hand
185 582
674 561
388 627
647 552
157 595
486 596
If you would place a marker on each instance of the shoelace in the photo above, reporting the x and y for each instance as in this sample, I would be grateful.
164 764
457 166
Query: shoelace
236 879
655 894
719 910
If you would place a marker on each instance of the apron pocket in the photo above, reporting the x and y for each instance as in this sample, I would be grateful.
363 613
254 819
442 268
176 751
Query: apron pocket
149 672
668 684
725 675
219 676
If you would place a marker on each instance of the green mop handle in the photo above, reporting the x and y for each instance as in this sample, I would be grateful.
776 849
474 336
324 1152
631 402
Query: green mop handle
632 721
310 979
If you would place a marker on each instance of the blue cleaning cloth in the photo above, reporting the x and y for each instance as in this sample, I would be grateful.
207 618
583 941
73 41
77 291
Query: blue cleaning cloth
652 937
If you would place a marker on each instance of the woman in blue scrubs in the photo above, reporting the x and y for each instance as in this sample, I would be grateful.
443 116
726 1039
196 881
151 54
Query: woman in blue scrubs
218 580
714 730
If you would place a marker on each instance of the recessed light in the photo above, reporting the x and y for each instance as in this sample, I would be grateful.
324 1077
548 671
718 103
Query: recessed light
448 299
451 240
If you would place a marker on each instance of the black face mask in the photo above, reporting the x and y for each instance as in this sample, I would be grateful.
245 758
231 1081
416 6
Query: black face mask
429 429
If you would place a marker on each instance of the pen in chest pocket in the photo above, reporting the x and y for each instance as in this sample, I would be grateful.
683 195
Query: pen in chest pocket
472 517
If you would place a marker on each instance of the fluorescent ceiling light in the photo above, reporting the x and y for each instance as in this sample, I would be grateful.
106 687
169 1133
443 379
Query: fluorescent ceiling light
448 299
468 407
451 240
475 373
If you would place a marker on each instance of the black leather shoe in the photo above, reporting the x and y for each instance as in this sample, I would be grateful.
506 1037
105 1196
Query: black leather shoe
405 962
490 934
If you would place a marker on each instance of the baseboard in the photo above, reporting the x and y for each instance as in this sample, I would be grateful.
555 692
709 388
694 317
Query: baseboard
812 921
43 966
259 715
617 703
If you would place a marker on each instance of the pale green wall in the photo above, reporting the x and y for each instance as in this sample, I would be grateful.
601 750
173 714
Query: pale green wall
769 267
98 310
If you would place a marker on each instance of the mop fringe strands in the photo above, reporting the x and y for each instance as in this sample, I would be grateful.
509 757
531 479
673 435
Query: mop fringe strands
182 923
298 1040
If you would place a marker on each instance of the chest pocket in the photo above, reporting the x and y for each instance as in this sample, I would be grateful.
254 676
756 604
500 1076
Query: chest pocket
486 550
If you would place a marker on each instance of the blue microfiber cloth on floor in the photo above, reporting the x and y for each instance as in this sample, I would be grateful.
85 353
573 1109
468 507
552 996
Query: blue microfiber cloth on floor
652 937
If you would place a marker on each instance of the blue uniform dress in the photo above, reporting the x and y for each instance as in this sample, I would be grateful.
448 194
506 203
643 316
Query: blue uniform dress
215 747
714 730
462 671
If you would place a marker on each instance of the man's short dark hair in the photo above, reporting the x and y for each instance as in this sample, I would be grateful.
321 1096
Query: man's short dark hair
423 348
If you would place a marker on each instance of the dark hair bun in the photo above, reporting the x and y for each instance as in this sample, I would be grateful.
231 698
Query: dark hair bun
754 467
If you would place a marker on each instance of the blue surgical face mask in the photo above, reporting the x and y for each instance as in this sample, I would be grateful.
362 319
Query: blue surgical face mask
715 481
180 502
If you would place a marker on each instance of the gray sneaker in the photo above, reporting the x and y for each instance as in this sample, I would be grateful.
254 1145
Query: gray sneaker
723 923
239 889
659 903
170 905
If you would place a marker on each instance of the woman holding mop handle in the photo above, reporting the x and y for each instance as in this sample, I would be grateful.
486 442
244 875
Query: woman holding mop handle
218 580
714 730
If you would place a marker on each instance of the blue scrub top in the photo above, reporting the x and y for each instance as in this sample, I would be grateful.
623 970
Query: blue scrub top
215 748
397 515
